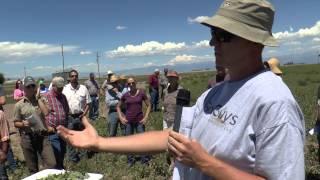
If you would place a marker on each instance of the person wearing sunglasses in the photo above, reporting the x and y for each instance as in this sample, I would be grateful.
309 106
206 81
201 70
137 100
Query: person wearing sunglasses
79 100
29 118
134 119
249 127
18 91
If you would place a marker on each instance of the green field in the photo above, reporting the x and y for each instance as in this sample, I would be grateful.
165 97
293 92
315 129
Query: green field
303 80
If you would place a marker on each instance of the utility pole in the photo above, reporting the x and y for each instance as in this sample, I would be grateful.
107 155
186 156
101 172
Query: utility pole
25 72
318 57
98 65
62 61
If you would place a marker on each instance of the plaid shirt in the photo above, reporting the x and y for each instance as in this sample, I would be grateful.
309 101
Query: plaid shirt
58 109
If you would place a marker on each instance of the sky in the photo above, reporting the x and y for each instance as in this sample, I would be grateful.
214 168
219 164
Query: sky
130 34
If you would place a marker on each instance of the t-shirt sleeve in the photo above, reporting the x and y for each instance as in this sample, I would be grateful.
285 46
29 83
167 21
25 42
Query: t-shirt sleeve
280 142
4 130
88 99
16 113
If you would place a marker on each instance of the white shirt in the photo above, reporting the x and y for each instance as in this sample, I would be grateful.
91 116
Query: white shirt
77 98
254 124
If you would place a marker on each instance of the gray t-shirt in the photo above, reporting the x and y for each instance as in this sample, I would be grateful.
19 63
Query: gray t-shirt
92 86
254 125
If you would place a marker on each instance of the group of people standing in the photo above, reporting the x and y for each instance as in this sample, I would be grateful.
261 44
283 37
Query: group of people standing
39 111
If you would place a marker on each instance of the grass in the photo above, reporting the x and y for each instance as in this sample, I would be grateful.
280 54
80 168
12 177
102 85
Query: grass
303 80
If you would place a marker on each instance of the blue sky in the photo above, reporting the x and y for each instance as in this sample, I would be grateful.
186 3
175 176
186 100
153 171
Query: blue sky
131 34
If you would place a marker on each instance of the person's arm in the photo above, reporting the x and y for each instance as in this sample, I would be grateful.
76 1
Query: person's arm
145 143
44 109
146 114
3 151
120 114
18 121
191 153
2 100
88 101
111 101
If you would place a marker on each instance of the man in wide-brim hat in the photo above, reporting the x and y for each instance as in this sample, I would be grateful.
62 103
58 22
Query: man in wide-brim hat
249 127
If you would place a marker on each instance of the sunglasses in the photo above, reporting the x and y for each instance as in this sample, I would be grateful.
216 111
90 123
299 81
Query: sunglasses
74 76
220 36
132 83
31 86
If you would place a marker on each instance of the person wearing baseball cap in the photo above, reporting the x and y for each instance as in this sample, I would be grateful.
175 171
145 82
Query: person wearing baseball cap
58 107
249 127
154 89
29 118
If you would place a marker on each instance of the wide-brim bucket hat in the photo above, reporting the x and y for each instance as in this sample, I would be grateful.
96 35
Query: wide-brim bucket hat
249 19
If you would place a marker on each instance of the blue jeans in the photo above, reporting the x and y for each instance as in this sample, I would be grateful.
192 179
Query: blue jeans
3 171
12 164
74 123
137 127
154 94
94 108
59 149
114 121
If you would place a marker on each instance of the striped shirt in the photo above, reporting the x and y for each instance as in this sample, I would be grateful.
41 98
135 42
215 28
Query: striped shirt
58 109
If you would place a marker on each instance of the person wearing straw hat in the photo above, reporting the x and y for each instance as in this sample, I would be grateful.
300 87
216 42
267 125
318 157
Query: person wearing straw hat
273 64
113 96
239 129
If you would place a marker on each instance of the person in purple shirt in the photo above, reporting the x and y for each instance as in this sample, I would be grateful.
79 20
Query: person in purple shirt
134 119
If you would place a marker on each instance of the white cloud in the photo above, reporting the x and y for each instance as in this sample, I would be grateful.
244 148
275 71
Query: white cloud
301 33
198 19
202 44
85 52
148 64
74 66
44 68
185 59
91 64
14 62
30 49
316 47
121 28
146 49
292 43
316 39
